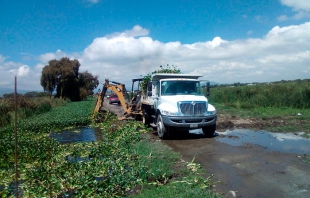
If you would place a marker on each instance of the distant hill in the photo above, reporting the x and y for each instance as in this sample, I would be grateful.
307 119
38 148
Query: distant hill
4 90
214 83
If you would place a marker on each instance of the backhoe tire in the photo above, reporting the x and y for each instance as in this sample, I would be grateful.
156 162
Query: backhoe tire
162 130
209 131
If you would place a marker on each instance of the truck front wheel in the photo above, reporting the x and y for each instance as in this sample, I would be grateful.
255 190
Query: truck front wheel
162 130
145 117
209 130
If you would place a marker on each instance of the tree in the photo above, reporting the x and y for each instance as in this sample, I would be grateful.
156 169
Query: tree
63 76
87 83
49 77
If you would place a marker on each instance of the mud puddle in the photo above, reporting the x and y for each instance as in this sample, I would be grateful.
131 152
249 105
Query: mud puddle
84 134
281 142
249 163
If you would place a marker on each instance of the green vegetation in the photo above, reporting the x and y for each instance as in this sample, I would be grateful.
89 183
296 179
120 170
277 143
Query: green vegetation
26 107
64 77
170 176
169 70
285 95
126 158
287 102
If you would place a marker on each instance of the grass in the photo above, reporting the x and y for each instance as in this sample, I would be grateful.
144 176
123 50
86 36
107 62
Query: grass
262 112
286 103
283 95
170 176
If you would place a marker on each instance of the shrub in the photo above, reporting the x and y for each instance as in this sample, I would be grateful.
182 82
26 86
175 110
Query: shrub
5 116
44 107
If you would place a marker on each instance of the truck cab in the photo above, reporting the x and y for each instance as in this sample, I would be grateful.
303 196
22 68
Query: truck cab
176 102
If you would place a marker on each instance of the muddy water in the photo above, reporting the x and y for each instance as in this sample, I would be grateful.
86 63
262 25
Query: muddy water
282 142
288 143
250 164
84 134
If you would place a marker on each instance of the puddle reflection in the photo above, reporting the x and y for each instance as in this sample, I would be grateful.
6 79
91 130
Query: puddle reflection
283 142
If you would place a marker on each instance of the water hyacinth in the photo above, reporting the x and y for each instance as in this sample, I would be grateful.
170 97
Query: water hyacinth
106 168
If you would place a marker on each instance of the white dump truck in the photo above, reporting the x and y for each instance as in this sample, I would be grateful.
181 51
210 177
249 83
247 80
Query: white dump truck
175 102
170 102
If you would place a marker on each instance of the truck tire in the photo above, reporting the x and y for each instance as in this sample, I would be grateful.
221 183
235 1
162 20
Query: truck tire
162 130
209 131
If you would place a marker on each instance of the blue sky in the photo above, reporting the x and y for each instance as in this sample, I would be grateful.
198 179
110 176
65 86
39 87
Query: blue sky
227 41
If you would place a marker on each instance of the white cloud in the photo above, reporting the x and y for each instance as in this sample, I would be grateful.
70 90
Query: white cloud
50 56
21 71
249 32
283 53
301 7
283 18
27 78
298 58
136 31
297 4
258 18
250 60
93 1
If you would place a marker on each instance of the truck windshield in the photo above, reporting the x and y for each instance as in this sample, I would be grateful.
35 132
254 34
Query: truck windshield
178 87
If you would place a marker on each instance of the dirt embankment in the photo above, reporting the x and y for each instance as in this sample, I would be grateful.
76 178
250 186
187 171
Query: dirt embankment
233 122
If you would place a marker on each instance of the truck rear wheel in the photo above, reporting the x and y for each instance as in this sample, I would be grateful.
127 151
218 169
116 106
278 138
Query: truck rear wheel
162 130
209 131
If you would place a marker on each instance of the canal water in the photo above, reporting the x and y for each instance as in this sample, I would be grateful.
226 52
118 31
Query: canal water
83 134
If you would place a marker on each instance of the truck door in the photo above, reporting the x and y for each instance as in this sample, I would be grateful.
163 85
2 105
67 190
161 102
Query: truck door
157 94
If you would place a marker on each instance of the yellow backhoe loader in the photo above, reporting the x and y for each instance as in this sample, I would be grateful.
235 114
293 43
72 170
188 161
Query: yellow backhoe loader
132 108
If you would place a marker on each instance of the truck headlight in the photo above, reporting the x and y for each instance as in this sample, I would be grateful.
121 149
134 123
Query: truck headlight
211 112
164 112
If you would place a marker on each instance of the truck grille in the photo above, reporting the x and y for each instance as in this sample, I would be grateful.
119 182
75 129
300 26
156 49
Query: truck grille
194 108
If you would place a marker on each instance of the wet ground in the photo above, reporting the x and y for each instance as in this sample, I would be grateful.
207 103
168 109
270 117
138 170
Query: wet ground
247 163
248 166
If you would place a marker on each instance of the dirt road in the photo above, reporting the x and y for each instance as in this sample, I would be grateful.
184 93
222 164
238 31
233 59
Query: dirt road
247 163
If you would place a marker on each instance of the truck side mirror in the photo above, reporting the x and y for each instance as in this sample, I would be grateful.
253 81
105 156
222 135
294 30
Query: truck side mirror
149 86
208 88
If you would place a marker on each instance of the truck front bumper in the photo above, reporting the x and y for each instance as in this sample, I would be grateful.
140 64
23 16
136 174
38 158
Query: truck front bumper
189 122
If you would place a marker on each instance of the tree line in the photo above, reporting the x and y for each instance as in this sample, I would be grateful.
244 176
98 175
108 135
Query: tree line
63 77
